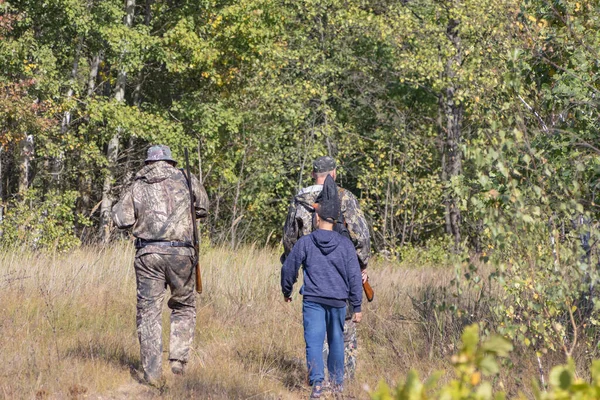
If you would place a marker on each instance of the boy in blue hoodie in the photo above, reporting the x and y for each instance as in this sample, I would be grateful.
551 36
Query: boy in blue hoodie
331 276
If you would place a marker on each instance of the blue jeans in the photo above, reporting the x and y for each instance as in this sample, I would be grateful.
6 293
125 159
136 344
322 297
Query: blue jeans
320 319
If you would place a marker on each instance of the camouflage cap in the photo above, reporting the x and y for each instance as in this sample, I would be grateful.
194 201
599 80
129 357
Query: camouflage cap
159 152
323 164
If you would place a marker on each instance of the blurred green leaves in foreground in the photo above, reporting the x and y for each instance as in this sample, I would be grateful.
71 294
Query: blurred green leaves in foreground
476 369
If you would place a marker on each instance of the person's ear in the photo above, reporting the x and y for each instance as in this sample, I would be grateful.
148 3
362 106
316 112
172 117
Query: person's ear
333 174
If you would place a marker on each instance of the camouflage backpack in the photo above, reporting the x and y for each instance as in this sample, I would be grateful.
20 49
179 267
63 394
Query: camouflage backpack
301 218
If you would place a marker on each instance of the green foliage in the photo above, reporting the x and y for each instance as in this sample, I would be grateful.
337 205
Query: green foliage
475 368
262 87
436 252
44 224
472 365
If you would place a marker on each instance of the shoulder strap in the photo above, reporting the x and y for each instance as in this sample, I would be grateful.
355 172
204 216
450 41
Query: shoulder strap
304 204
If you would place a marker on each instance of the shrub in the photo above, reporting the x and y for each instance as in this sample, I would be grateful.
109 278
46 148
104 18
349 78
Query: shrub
38 223
476 364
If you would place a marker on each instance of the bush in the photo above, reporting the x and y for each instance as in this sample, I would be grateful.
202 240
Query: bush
46 223
476 364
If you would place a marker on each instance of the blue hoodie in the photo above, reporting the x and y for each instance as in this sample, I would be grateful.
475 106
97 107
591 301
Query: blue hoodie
331 271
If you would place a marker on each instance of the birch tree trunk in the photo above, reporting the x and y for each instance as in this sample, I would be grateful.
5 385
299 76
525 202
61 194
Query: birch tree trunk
112 151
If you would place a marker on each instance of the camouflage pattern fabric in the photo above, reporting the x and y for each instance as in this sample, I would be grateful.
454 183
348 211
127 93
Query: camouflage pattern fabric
350 349
159 153
324 164
157 206
299 221
154 272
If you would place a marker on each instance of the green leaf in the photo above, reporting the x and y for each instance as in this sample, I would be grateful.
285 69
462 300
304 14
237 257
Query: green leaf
561 377
488 365
470 339
498 345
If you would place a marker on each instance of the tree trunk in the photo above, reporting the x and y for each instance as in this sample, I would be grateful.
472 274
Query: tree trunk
25 157
94 65
85 174
57 163
137 102
452 111
112 151
235 220
148 16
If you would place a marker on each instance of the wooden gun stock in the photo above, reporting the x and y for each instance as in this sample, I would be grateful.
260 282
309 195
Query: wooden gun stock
199 276
369 293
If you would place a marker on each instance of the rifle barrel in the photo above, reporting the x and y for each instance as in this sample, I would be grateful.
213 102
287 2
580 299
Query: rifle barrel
194 227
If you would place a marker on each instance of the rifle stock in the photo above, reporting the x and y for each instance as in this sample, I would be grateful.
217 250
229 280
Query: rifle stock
369 293
198 275
194 227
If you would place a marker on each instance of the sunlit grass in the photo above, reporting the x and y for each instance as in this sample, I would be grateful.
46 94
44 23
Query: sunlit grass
68 328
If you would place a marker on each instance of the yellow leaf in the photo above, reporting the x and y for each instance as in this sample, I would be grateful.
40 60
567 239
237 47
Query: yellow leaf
476 378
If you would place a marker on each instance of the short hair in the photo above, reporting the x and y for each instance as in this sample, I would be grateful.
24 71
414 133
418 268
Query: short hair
323 174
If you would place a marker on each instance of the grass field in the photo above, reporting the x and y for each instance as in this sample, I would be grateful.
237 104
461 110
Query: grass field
67 323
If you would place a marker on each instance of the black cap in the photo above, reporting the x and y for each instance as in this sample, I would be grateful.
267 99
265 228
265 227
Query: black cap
329 201
323 164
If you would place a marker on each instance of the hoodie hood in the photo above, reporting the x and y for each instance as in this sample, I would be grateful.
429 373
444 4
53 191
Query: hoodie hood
156 172
326 241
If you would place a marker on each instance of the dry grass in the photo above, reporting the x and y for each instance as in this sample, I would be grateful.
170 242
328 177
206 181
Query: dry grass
68 328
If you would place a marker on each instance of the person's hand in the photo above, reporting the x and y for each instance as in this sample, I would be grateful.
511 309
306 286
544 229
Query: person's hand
365 276
357 317
287 299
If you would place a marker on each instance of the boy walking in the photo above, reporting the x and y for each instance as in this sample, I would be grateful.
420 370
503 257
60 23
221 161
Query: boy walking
331 277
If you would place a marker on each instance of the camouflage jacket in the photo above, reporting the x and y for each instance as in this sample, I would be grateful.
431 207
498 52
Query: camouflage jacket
300 215
157 206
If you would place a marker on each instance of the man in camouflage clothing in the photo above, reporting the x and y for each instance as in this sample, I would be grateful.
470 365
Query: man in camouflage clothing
157 206
299 222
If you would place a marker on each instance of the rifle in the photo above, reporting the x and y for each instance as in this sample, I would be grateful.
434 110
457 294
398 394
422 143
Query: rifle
195 228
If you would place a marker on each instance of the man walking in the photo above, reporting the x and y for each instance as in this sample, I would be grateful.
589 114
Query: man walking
300 222
158 207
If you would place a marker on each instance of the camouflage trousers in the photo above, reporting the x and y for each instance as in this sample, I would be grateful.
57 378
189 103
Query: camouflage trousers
154 272
350 349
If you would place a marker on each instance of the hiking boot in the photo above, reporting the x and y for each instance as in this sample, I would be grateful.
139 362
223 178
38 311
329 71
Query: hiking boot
157 383
177 367
337 388
317 391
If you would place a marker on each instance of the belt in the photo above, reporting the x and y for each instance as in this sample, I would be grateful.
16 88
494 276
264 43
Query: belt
141 243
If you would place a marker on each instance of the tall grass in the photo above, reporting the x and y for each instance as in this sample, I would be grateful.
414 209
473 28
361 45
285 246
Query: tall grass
67 323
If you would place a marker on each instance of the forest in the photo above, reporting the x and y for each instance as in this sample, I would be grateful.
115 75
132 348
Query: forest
448 119
468 129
